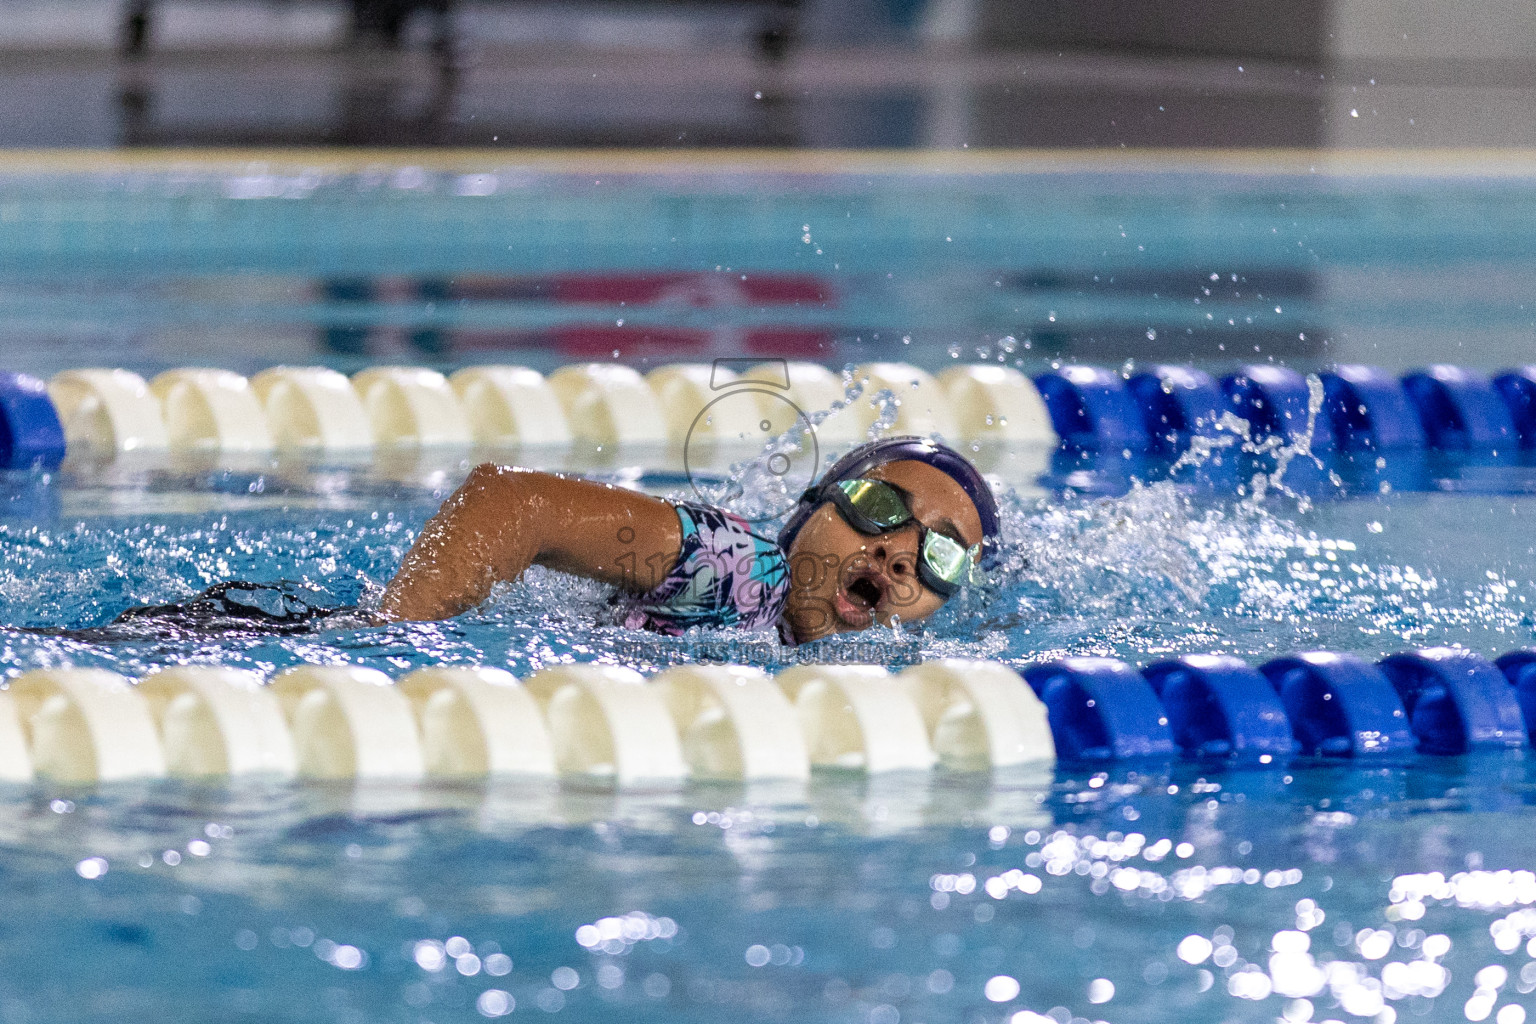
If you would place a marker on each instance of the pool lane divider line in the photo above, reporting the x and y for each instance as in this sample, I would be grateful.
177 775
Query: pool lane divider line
510 405
211 410
1340 705
102 410
1101 709
855 717
312 408
607 722
1461 410
1159 411
218 721
1177 404
1371 411
99 412
1220 706
349 722
733 722
609 404
725 722
477 722
1456 701
87 725
30 432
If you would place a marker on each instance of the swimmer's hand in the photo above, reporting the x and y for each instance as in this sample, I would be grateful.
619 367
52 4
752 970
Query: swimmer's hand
503 520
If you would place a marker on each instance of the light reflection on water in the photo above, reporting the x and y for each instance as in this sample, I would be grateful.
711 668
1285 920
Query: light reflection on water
1160 895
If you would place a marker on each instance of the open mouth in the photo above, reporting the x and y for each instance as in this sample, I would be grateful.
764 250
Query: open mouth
859 599
865 591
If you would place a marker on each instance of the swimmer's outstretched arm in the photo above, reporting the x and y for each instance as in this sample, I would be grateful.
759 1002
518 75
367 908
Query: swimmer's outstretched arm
503 520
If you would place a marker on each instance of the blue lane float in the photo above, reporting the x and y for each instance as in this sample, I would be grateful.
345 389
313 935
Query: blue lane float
1368 410
1340 705
1519 667
1220 706
1092 408
1101 709
1518 389
1460 410
30 432
1457 702
1176 403
1276 401
1090 472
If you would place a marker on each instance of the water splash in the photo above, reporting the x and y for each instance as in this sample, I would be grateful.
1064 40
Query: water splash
1285 453
1152 572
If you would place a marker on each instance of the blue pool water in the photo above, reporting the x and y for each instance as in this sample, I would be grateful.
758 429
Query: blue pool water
1163 892
242 263
850 900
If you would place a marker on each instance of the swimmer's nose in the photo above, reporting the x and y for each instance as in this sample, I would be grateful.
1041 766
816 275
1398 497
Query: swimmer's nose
888 560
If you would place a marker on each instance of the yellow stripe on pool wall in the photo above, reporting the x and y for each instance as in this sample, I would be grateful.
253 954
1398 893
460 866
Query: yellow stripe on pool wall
1390 162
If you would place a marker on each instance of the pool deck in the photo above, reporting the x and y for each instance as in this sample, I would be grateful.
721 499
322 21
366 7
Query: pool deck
1450 162
714 94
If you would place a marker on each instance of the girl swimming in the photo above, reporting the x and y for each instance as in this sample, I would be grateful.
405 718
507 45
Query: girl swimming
893 529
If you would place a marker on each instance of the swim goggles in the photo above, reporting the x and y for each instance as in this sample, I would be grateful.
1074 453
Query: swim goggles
874 507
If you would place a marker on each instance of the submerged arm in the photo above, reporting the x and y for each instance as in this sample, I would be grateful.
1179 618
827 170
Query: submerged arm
503 520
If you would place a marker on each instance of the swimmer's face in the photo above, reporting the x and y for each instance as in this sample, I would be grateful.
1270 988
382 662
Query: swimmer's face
842 581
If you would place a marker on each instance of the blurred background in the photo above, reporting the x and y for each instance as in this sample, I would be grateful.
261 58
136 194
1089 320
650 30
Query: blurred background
797 73
243 182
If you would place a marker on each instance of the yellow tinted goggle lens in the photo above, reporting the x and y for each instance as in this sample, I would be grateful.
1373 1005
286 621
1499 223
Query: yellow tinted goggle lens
878 502
947 557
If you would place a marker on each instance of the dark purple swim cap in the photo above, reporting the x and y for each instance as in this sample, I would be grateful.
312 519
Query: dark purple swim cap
903 449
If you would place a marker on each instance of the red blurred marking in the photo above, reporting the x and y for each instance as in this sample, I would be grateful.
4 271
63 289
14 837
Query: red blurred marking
787 289
599 343
790 343
707 290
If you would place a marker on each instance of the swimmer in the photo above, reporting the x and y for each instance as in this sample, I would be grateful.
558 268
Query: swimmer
891 531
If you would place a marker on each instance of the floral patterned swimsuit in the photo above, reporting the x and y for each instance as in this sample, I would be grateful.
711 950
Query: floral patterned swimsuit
726 576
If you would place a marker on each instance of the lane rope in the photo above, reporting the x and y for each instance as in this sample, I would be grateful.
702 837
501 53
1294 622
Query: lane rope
736 723
1157 412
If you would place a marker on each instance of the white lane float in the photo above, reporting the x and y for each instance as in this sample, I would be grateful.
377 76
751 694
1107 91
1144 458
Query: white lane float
787 390
349 723
411 406
312 408
923 405
608 404
107 411
979 714
606 721
735 723
218 722
702 406
996 403
210 410
15 762
857 716
478 721
87 725
510 405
